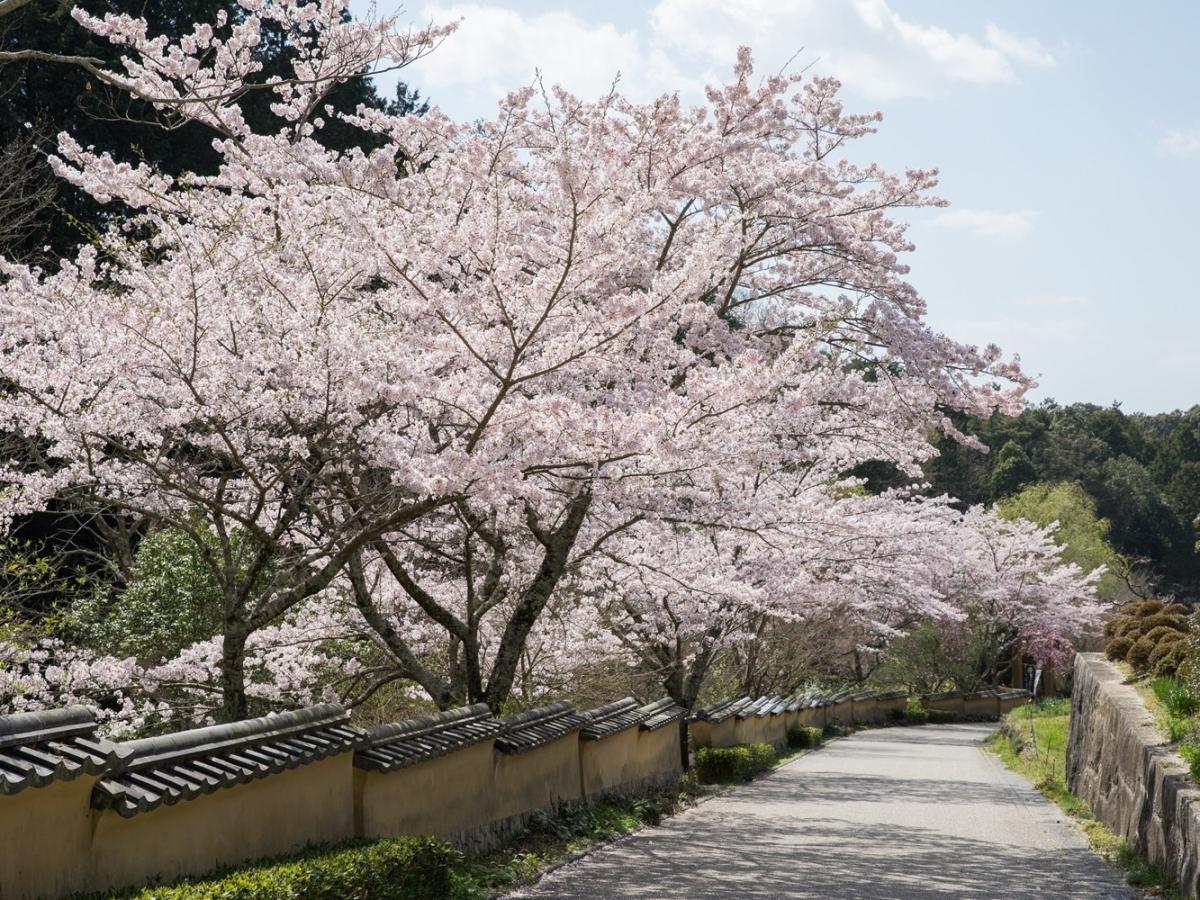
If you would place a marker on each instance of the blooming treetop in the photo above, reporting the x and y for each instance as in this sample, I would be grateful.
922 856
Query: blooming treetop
476 354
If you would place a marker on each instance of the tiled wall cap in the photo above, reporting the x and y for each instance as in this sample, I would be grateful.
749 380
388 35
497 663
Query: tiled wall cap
661 713
611 718
37 748
533 728
182 766
412 741
719 712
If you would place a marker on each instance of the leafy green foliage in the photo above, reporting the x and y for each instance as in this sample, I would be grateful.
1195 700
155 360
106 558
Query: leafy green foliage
1141 472
172 600
1179 705
1013 470
740 762
416 868
804 738
1082 533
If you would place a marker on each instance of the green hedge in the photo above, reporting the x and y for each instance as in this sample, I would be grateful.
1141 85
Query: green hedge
943 716
740 762
418 868
803 738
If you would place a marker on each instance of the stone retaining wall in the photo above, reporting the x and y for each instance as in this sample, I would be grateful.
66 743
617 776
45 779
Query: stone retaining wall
1121 765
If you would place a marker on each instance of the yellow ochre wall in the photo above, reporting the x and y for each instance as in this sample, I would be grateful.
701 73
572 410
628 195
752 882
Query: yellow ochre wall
761 729
442 796
541 778
892 708
265 817
840 713
714 734
949 704
981 706
45 838
813 717
629 759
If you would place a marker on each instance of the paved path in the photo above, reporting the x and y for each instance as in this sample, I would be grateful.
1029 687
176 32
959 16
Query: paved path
888 813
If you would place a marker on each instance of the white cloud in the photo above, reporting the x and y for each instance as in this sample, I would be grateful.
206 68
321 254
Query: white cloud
1020 49
1181 142
682 44
865 43
1009 225
496 50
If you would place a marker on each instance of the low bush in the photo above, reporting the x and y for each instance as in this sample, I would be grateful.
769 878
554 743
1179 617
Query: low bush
738 763
803 738
1150 636
1190 751
942 716
418 868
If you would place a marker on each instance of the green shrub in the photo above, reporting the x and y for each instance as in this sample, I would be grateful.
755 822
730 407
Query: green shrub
942 716
1118 648
1190 751
915 715
1139 654
1168 655
418 868
803 738
740 762
1150 636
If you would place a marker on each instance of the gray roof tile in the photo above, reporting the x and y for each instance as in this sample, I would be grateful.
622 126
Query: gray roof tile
37 748
182 766
533 728
719 712
661 713
414 741
607 720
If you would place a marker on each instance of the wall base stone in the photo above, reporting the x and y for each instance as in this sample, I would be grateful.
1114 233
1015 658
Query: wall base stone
1120 764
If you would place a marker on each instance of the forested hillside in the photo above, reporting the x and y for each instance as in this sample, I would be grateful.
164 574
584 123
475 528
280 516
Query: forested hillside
1142 472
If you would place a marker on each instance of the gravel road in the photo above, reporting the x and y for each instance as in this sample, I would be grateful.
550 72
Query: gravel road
886 813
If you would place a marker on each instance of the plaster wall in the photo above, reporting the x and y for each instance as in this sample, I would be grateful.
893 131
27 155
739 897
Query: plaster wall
443 796
629 761
814 717
954 704
714 734
982 706
867 711
840 713
45 838
545 777
752 730
893 708
265 817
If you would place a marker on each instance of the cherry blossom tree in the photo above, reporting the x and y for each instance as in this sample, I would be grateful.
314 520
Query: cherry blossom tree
1010 582
444 378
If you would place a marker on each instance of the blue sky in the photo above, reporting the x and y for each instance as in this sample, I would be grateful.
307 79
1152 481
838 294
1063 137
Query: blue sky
1067 135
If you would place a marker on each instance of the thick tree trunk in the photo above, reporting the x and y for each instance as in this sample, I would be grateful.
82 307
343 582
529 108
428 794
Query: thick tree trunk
233 674
558 545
